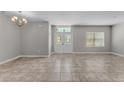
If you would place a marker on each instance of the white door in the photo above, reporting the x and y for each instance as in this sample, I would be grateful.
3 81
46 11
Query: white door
63 40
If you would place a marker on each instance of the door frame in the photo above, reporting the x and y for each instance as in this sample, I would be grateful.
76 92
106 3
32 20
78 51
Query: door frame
55 31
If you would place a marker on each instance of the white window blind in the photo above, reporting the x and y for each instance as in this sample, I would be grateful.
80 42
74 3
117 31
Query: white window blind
95 39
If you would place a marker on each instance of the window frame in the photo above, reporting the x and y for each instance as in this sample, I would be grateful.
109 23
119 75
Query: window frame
94 40
62 30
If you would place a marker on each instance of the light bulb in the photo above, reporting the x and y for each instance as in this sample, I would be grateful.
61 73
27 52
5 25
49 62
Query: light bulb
14 18
24 20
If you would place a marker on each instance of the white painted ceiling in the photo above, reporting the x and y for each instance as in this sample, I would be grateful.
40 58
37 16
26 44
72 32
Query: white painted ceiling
73 17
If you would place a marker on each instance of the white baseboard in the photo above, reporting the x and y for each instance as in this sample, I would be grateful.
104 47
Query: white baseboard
94 53
14 58
85 53
34 55
50 54
9 60
91 52
117 54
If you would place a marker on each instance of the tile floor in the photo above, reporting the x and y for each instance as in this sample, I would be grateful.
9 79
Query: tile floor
65 68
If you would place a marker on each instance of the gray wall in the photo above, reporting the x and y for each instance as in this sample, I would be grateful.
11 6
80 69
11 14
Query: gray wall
79 41
9 39
118 38
50 40
34 38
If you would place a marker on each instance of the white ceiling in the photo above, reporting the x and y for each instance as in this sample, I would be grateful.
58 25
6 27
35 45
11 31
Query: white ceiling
73 17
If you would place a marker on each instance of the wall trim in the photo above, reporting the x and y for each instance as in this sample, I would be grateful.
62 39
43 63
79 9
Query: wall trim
117 54
92 52
84 53
14 58
34 55
51 54
114 53
9 60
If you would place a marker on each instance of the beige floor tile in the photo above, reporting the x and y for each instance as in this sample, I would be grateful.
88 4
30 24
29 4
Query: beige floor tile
83 77
54 69
53 77
66 68
76 77
66 77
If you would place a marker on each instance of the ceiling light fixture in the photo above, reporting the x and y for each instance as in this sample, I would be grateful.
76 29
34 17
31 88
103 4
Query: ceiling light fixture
20 21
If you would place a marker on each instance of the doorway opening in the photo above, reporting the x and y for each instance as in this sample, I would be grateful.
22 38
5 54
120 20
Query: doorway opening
63 41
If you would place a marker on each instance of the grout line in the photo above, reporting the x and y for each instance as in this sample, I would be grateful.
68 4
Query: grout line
60 76
79 76
71 77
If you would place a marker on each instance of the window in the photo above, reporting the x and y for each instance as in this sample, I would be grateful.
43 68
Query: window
68 39
58 39
64 29
60 30
95 39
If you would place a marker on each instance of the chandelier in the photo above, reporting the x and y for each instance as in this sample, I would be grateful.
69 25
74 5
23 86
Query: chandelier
20 21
